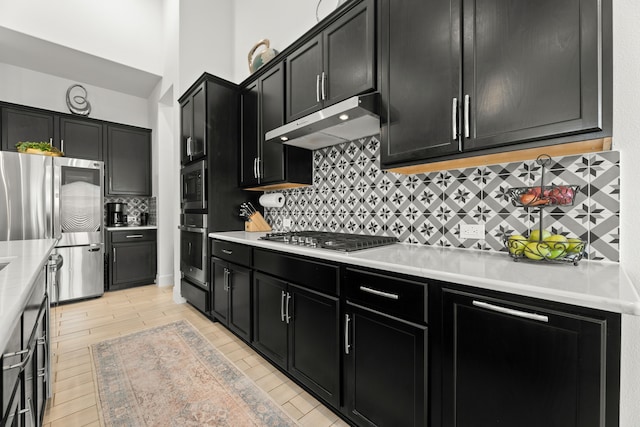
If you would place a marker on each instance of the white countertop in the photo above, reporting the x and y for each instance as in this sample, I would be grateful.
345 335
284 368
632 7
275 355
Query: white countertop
26 257
594 284
133 227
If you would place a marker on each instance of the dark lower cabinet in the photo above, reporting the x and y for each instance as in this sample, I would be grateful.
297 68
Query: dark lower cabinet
298 329
508 362
385 369
132 259
231 295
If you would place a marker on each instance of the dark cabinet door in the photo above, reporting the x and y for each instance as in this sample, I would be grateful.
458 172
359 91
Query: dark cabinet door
272 116
385 370
507 364
250 135
81 139
420 82
239 289
531 70
132 263
304 79
220 294
186 129
128 161
269 323
193 126
314 337
25 126
349 54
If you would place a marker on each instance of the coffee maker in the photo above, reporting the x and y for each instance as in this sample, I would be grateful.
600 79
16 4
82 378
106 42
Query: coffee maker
116 216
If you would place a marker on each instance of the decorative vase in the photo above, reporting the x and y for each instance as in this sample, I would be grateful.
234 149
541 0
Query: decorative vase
262 57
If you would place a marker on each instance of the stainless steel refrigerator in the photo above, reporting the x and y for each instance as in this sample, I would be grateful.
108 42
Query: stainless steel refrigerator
43 197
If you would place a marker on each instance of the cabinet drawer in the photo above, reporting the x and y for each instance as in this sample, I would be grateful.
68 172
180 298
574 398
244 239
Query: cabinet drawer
132 236
398 297
232 252
196 295
315 275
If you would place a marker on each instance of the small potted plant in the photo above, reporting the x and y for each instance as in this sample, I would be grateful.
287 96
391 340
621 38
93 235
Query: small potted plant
42 148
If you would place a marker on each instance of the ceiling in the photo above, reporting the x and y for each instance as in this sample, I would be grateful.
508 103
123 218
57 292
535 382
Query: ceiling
40 55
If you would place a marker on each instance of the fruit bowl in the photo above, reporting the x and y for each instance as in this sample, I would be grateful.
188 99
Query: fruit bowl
550 195
569 251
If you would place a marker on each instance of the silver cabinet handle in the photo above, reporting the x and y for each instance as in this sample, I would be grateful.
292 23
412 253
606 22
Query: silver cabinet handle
189 250
225 285
347 346
379 293
227 251
466 116
322 86
114 254
135 236
189 146
62 145
50 141
255 175
282 306
22 363
511 311
318 88
287 316
454 119
258 172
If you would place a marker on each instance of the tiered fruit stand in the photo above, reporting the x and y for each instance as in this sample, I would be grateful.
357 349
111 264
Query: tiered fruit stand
544 248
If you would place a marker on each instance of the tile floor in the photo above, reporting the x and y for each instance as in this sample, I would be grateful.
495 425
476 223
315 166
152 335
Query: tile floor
76 326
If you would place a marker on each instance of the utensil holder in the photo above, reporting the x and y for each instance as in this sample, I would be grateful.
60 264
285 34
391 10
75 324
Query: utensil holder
256 223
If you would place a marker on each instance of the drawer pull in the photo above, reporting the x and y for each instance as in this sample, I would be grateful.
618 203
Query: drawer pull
227 251
347 346
379 293
511 311
135 236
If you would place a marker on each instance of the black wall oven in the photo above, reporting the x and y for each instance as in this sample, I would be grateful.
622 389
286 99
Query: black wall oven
193 248
193 188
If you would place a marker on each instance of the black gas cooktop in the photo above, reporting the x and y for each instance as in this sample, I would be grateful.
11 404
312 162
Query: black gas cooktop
337 241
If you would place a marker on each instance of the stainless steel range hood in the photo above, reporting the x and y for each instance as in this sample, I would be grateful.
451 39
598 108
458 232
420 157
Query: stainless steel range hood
348 120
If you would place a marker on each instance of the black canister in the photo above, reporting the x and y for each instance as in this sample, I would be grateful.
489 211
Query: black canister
144 218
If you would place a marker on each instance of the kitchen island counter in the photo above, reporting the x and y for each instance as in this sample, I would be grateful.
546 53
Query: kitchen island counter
26 258
593 284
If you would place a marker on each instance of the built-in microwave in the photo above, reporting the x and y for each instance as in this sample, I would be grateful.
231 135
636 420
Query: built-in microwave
193 191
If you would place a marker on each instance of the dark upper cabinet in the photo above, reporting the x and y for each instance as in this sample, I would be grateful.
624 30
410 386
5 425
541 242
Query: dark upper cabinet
81 139
420 79
510 362
464 75
127 161
193 129
334 65
26 125
262 163
250 141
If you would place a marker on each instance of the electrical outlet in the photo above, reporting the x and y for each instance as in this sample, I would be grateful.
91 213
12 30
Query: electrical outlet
286 223
472 231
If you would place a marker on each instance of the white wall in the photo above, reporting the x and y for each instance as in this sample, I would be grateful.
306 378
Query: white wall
280 21
626 130
35 89
206 40
123 31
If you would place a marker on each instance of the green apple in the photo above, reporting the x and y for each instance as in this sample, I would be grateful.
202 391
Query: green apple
537 250
557 245
535 236
574 245
516 244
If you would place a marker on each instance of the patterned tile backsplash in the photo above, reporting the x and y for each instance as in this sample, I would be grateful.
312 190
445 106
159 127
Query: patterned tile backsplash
350 194
135 206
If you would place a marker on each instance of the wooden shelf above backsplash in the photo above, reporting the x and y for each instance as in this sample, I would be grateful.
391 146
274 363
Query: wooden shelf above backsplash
567 149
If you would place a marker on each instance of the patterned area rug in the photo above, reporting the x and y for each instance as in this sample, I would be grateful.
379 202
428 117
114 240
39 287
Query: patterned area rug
172 376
